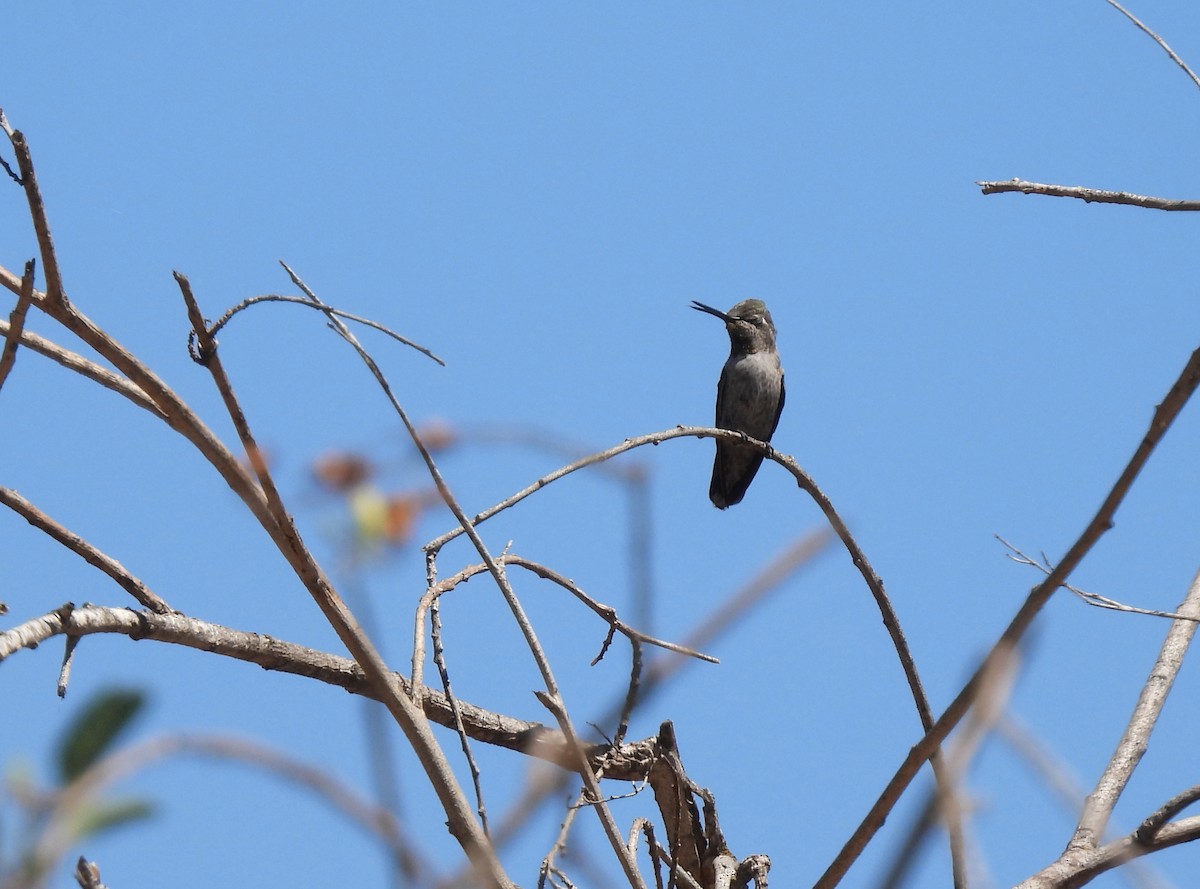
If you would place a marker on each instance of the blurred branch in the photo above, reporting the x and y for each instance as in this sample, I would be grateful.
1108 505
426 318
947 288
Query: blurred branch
993 699
57 835
1164 415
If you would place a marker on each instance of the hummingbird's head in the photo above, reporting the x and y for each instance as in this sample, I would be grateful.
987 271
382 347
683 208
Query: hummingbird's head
749 324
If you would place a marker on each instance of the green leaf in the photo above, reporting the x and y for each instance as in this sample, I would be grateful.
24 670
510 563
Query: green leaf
105 815
94 729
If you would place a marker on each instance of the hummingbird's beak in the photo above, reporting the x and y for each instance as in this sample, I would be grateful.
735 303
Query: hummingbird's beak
701 307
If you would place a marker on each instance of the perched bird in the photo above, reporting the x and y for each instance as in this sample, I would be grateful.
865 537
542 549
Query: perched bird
749 396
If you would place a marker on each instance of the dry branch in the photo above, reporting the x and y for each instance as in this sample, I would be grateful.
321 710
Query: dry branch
76 544
628 763
1164 415
1090 195
16 324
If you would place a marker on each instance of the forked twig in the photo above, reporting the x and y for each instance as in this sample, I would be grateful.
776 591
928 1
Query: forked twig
216 326
1094 599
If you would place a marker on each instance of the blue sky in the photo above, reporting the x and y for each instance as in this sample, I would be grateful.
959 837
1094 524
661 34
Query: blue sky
536 192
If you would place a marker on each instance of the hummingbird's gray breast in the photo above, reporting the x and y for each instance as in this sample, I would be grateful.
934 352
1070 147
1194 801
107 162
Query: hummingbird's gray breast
749 394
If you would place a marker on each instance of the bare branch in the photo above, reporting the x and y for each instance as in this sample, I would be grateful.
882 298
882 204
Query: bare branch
1164 415
463 825
1170 52
1090 195
552 699
1136 739
1093 599
769 579
606 612
82 366
858 557
85 550
37 212
215 328
629 763
56 837
16 324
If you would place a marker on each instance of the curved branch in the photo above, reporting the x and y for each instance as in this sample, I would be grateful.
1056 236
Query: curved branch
1162 43
216 326
803 480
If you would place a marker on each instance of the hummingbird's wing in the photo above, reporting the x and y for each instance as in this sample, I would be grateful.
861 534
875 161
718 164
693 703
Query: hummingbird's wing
718 489
778 410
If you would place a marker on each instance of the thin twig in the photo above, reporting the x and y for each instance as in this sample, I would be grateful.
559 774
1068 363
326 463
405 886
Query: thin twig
1156 820
439 659
1164 415
1090 195
8 131
16 324
1094 599
1170 52
321 307
37 212
768 580
606 612
83 549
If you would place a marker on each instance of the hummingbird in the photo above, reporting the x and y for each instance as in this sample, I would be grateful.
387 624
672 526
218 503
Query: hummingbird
749 396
